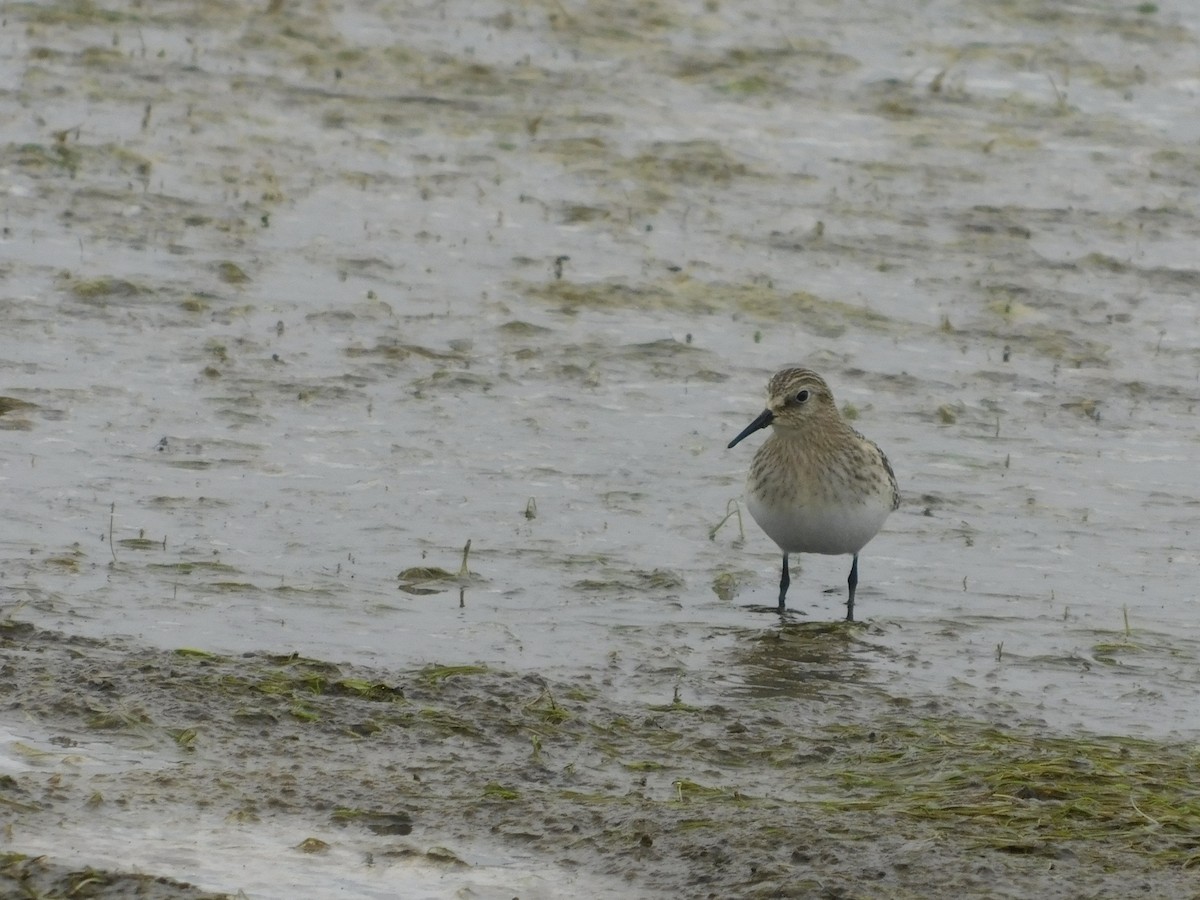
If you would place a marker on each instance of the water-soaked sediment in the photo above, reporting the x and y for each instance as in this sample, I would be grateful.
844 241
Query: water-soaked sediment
298 297
847 792
25 876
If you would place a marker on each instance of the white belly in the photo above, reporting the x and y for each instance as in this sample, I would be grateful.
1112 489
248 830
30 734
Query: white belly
821 528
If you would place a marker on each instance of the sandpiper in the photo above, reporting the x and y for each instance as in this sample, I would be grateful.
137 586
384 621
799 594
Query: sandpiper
816 485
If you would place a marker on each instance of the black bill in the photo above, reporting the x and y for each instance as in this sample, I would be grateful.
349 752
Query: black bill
764 419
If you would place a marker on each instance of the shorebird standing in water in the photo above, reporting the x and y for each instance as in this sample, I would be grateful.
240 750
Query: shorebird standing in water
816 485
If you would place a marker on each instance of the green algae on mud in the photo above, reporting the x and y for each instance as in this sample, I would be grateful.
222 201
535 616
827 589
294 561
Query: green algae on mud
827 318
36 877
1021 791
764 798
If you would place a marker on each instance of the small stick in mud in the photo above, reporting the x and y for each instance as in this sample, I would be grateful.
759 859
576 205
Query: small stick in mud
731 509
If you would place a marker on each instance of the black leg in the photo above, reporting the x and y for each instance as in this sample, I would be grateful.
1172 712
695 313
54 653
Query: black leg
853 582
784 581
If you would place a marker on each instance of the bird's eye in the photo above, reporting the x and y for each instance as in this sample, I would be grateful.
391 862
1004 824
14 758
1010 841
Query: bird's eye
802 396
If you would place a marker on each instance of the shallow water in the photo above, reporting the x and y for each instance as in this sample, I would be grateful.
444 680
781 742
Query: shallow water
295 302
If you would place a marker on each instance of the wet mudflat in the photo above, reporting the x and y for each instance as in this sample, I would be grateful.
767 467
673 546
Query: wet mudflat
299 300
404 780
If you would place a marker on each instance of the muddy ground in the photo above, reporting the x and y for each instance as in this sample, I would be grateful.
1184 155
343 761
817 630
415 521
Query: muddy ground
847 795
297 298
